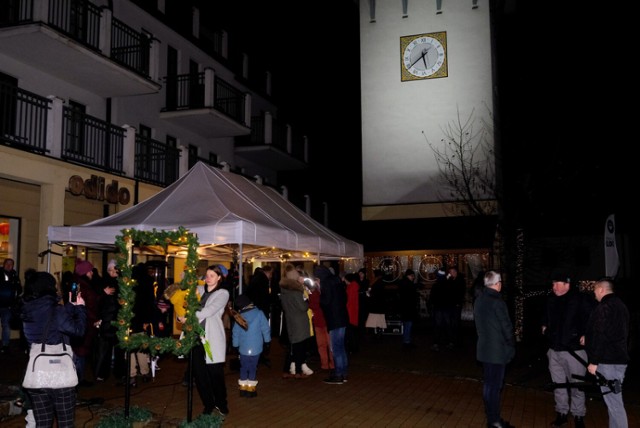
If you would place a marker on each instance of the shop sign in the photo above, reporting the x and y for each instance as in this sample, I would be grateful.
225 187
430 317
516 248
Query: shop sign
97 188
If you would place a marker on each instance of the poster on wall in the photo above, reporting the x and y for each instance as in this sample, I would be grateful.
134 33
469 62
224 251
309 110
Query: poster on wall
9 238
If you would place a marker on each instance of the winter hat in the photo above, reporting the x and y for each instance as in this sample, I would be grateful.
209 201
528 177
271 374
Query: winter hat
112 264
83 267
291 272
322 272
224 270
242 301
44 281
560 275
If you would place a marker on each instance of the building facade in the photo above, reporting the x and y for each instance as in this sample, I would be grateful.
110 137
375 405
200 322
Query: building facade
105 103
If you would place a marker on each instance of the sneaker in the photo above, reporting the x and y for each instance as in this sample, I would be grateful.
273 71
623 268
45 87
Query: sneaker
292 368
222 411
306 370
334 380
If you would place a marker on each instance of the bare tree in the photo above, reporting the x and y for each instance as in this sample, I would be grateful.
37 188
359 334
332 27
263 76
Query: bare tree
466 165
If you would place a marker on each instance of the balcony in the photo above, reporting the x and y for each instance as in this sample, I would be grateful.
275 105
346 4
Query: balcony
206 104
46 126
81 43
273 144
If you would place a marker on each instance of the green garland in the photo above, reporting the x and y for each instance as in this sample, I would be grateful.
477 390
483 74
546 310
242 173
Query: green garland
127 294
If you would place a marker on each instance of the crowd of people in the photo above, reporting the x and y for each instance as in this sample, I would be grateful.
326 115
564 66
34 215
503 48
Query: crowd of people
323 314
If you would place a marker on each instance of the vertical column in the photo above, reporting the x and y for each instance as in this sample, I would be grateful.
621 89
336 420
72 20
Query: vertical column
129 151
247 109
104 44
268 128
52 197
209 87
289 141
54 127
40 10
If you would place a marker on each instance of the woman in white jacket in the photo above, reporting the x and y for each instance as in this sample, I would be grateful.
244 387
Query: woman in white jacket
209 372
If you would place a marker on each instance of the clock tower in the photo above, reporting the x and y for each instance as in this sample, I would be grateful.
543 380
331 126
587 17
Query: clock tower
424 66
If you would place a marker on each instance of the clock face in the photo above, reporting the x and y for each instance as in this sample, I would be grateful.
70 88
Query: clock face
424 56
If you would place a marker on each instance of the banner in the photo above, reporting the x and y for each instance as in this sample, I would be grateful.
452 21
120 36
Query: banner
611 261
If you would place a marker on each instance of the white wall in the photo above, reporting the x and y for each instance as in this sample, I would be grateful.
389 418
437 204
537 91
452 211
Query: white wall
398 165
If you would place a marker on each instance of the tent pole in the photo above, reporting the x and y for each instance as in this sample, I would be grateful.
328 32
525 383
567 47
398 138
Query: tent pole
49 257
240 271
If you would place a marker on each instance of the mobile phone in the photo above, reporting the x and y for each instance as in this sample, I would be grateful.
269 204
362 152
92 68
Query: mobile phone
74 292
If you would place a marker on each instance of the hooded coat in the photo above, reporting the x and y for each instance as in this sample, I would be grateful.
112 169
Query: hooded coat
295 309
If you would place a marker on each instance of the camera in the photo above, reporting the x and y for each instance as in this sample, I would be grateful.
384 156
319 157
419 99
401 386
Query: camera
74 292
309 283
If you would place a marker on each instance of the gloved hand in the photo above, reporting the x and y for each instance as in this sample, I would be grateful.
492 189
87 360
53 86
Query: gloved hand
266 349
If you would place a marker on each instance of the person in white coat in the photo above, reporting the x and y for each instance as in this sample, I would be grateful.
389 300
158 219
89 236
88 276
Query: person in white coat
208 370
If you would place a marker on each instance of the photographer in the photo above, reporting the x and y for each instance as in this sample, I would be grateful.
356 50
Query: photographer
606 342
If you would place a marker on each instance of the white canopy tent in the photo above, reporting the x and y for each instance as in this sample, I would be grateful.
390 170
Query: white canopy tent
230 214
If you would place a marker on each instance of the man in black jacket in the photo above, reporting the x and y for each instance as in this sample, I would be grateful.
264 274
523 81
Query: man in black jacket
606 342
564 323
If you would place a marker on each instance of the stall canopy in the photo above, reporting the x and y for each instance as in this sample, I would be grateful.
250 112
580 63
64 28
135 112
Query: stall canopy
229 213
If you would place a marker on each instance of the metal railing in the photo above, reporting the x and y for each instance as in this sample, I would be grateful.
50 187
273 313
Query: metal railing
79 19
14 12
129 47
23 118
187 91
91 141
229 100
155 162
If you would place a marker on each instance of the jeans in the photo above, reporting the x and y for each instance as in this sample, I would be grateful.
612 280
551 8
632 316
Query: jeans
249 367
615 405
339 351
5 315
493 377
406 331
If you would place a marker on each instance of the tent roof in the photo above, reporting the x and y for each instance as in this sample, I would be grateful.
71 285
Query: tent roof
225 210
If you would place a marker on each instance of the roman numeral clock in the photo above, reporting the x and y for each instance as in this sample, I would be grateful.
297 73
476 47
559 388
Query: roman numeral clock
423 56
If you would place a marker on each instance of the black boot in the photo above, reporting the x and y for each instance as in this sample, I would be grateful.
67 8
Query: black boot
561 419
578 421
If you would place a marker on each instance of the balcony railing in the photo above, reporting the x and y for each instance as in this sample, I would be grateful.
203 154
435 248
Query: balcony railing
129 47
78 19
189 91
155 162
23 118
82 21
92 141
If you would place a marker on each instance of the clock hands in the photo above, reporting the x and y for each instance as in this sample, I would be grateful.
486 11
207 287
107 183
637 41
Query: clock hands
421 57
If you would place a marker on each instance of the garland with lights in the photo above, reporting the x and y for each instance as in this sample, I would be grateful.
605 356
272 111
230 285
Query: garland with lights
127 294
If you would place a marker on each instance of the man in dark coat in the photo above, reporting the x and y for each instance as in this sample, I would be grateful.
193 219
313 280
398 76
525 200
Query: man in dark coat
408 294
496 345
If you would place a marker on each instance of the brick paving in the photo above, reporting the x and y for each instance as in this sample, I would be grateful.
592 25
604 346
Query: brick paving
388 387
